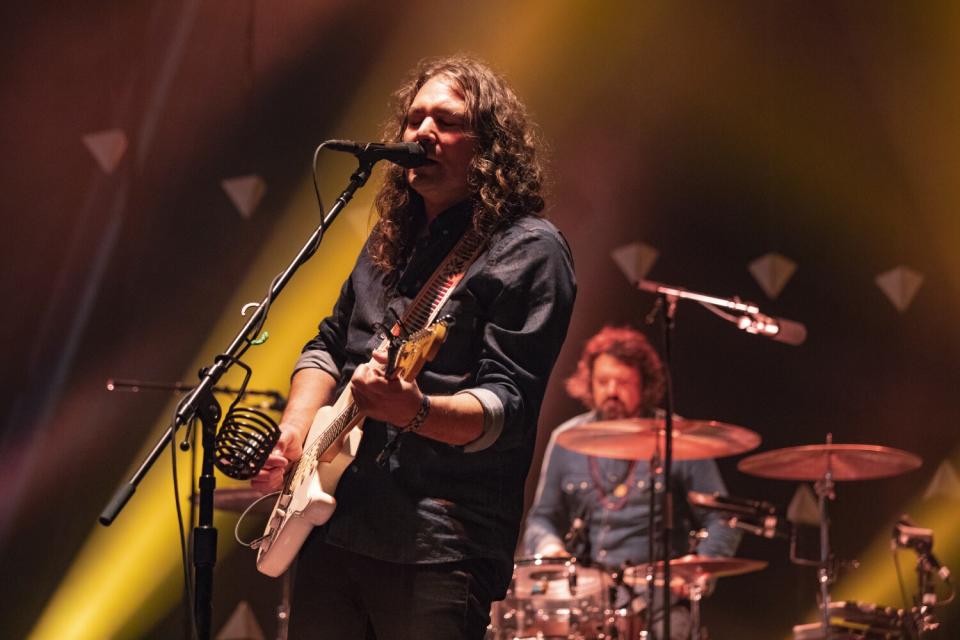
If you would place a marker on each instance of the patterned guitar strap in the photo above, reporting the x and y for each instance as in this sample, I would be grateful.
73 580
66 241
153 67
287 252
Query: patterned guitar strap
427 304
429 301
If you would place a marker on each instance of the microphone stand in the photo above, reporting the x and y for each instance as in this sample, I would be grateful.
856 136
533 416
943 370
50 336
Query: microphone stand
666 307
200 402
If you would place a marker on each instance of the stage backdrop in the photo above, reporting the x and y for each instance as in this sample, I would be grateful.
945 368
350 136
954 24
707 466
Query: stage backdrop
802 156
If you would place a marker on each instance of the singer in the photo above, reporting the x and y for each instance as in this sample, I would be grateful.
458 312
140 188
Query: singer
422 541
598 508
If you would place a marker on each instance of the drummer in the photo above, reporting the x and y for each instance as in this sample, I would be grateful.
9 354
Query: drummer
596 508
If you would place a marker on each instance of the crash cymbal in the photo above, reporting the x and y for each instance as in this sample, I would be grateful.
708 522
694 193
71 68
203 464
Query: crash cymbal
844 461
689 568
237 499
636 438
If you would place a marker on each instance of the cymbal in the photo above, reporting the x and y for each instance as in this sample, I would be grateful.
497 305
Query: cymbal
844 461
689 568
636 438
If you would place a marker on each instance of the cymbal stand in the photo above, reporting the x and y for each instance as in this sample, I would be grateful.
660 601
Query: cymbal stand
654 467
696 594
825 491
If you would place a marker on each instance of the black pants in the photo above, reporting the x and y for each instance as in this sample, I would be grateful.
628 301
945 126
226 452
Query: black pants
339 595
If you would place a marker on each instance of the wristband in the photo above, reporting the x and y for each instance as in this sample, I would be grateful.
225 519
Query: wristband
421 417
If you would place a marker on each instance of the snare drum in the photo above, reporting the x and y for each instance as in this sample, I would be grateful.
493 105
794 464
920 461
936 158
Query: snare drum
553 598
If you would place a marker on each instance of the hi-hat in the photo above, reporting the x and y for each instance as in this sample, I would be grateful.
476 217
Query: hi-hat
688 569
843 461
637 438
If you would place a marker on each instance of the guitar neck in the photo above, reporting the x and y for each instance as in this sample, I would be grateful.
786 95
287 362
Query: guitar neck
346 415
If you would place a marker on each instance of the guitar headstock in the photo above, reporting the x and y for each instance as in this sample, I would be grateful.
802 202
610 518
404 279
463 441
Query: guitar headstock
419 348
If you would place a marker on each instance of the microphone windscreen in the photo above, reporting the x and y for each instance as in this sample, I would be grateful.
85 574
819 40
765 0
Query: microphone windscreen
792 333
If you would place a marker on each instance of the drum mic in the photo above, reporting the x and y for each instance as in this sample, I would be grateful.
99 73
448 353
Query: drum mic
244 442
405 154
577 539
753 516
909 536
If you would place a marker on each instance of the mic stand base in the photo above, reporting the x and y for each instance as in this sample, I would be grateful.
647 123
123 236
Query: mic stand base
205 534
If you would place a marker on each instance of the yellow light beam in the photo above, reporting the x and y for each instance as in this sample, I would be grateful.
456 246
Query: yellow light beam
126 577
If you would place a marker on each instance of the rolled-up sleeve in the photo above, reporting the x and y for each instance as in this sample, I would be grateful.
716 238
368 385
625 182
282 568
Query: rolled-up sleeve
524 327
326 350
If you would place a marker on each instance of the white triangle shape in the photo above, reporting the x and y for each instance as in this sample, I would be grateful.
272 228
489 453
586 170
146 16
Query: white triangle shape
772 272
242 625
804 508
945 483
106 147
900 285
635 260
245 192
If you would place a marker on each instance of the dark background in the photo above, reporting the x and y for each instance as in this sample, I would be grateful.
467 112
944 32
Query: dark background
713 132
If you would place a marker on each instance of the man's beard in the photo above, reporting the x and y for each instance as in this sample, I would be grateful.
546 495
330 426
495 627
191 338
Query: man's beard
613 409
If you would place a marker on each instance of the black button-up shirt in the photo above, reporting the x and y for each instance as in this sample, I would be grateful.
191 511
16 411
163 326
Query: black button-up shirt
434 502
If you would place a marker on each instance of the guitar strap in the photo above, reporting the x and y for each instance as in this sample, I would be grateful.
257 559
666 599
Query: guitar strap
427 304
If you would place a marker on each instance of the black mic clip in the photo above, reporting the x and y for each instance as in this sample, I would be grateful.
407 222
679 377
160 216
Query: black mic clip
907 535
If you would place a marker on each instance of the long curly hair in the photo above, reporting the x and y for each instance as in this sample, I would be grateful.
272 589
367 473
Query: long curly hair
505 176
630 347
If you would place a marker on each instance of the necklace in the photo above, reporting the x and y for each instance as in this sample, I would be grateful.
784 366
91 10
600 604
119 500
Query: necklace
617 498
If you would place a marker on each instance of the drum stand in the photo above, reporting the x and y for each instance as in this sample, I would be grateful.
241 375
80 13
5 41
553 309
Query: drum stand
696 594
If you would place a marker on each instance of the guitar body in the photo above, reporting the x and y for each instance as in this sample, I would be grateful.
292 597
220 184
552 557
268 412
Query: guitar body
306 500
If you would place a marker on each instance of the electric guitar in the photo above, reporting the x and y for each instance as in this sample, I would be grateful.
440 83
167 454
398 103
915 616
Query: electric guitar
306 500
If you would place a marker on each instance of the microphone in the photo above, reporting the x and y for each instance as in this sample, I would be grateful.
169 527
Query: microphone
405 154
779 329
576 527
578 535
244 442
761 517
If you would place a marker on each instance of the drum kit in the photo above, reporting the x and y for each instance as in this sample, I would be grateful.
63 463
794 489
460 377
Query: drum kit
562 598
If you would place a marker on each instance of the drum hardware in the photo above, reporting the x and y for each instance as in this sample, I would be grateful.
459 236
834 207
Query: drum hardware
554 597
825 465
692 574
753 516
856 621
922 617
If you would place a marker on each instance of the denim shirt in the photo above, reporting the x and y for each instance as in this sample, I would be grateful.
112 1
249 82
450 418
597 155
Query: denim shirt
617 527
433 502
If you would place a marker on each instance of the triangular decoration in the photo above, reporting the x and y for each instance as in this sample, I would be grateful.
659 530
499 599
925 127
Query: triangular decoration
107 148
900 285
772 272
242 625
245 192
945 483
635 260
804 508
